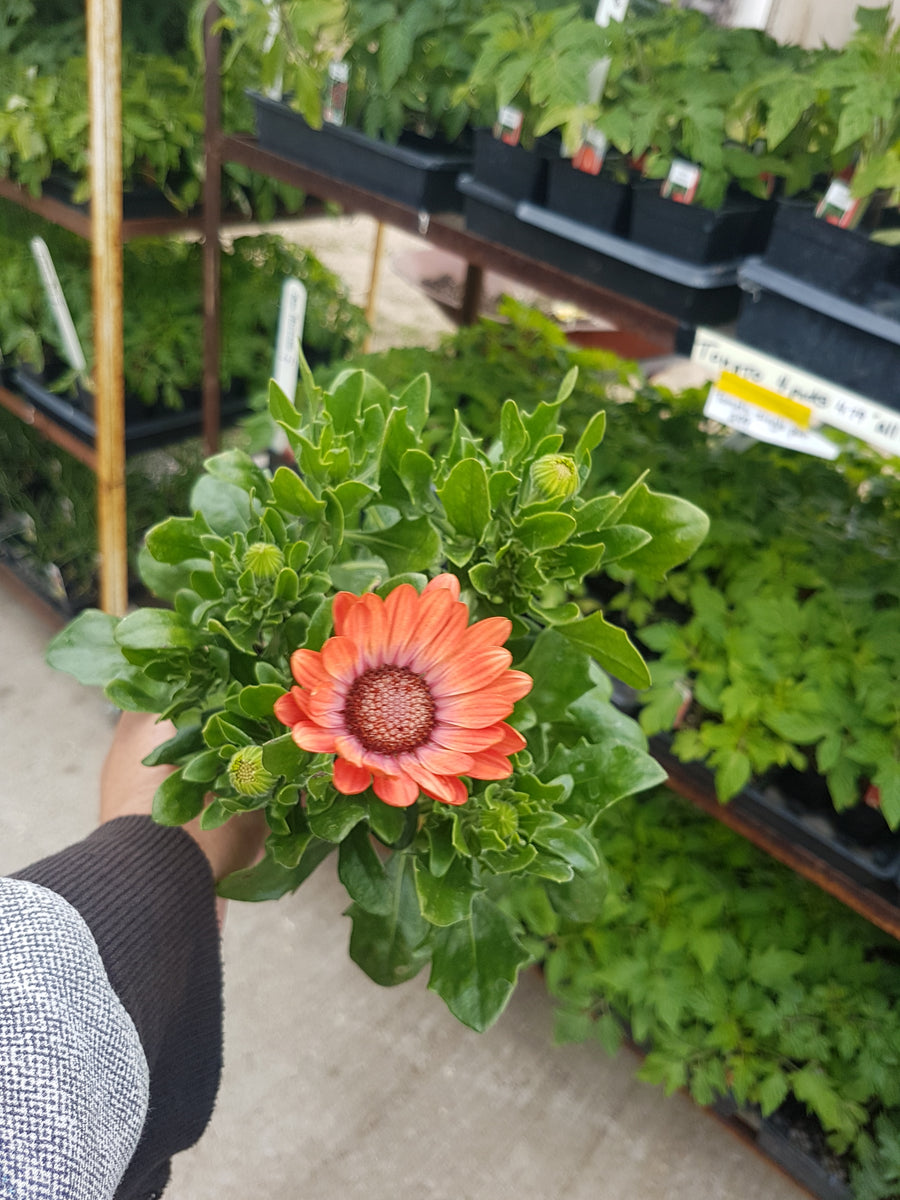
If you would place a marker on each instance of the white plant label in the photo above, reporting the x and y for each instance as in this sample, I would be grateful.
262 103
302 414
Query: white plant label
607 11
60 309
291 318
765 426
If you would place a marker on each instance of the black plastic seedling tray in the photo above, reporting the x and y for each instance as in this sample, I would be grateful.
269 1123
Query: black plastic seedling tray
418 171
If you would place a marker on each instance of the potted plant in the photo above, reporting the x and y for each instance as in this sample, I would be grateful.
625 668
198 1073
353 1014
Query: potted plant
530 61
837 241
162 324
360 94
667 106
333 655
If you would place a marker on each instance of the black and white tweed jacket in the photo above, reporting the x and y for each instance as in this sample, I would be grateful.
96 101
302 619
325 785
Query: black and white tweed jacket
110 1014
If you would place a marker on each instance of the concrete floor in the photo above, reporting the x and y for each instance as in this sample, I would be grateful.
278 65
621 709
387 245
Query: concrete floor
334 1087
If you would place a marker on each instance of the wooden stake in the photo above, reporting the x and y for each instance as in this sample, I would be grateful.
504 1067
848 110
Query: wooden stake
104 40
377 253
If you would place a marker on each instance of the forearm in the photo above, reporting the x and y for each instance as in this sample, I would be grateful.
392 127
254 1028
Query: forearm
146 894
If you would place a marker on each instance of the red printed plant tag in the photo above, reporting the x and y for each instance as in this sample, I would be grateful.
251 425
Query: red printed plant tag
682 182
508 126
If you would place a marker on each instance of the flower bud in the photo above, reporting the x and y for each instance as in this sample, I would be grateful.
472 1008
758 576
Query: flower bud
554 476
247 774
263 559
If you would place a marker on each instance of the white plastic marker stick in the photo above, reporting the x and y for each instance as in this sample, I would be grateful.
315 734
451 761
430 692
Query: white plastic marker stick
291 319
60 309
607 10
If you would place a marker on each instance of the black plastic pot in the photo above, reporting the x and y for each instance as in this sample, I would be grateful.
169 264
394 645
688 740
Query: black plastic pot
795 806
512 171
738 228
695 293
600 201
146 426
420 172
142 201
797 1144
855 346
837 260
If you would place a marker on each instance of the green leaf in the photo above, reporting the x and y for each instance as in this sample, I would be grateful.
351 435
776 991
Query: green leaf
561 674
177 800
268 880
475 964
394 946
177 539
335 822
282 756
225 506
257 700
406 546
591 436
513 437
292 494
203 767
156 629
603 773
610 646
87 648
447 898
466 498
362 873
569 845
676 526
542 531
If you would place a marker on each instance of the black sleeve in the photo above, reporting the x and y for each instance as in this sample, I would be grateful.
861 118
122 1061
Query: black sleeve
146 893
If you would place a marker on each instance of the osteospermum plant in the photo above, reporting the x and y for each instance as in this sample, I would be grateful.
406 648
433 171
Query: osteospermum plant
390 652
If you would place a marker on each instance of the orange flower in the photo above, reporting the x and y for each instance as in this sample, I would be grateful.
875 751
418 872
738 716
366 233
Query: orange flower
408 695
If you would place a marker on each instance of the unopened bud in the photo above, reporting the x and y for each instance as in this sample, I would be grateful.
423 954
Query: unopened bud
554 476
247 774
263 559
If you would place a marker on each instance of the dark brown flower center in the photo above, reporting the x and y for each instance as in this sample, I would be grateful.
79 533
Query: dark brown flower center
390 710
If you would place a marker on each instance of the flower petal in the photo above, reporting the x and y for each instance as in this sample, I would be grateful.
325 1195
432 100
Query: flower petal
452 737
447 580
341 658
491 631
313 738
401 609
473 710
468 674
511 741
397 790
349 779
307 668
491 764
447 788
366 623
340 606
441 761
287 710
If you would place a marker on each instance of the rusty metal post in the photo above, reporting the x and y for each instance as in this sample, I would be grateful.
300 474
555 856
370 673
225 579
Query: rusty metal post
104 54
212 216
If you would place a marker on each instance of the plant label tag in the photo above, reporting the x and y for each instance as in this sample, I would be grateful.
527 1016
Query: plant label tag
589 157
273 31
508 127
610 10
334 106
58 306
291 317
765 416
681 182
837 206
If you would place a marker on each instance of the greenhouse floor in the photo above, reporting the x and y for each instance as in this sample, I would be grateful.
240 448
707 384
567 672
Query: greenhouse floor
334 1087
